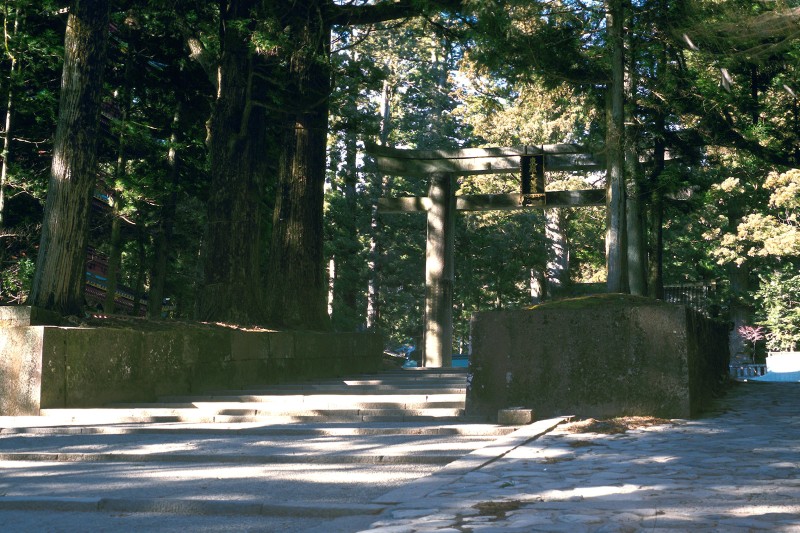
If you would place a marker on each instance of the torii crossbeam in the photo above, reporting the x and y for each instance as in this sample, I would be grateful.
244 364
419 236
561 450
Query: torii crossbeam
441 205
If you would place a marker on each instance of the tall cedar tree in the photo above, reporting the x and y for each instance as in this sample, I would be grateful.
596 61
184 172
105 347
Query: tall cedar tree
239 141
58 283
239 147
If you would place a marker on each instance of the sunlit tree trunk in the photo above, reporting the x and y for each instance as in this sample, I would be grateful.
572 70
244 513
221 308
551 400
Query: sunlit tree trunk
616 256
380 187
9 106
58 283
557 269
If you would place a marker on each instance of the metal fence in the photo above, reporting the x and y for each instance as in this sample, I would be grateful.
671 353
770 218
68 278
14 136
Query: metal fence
747 371
698 296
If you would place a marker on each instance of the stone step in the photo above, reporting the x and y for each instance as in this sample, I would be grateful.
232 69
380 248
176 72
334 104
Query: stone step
306 458
44 426
411 401
111 415
275 407
290 390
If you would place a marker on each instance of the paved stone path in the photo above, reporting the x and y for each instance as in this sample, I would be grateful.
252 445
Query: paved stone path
736 470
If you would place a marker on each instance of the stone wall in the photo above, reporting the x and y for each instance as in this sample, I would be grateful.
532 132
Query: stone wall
597 356
53 366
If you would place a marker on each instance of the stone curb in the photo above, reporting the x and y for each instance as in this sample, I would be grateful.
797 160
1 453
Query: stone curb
424 430
187 507
233 459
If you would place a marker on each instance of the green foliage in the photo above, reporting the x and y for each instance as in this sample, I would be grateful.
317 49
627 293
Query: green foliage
772 233
779 299
15 280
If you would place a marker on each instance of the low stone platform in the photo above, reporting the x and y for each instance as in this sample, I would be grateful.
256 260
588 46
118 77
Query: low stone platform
89 363
597 356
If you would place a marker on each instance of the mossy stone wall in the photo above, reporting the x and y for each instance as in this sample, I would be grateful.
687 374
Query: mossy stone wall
598 356
53 366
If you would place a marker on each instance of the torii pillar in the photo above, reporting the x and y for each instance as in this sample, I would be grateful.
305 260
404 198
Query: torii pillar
440 271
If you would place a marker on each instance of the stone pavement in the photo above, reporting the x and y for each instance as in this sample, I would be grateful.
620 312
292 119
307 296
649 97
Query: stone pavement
734 470
737 469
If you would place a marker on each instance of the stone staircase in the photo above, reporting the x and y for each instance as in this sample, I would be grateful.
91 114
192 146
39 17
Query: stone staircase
429 395
278 451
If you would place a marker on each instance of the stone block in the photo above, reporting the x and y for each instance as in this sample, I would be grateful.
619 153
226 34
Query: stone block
282 344
249 345
20 370
599 356
515 416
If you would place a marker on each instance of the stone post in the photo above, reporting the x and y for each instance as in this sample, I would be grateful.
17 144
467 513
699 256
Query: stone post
439 271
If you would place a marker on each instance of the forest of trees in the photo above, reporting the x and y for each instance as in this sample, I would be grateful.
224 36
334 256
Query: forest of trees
214 152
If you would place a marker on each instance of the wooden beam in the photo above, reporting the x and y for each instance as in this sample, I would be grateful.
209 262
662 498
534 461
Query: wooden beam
476 161
468 153
499 202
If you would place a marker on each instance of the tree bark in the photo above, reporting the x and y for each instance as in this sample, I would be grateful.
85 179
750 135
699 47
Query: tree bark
163 236
615 187
138 288
59 279
655 281
346 284
380 188
239 148
296 280
114 259
557 266
9 107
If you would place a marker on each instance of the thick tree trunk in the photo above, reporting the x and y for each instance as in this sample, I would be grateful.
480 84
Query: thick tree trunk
296 280
239 145
58 283
634 217
637 264
616 257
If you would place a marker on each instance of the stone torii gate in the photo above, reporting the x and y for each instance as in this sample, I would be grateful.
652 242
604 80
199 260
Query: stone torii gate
441 205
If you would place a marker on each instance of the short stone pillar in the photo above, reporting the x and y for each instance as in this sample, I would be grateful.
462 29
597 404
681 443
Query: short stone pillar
21 358
600 356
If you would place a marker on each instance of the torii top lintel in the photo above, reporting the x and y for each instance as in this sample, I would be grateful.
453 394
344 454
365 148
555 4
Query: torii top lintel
473 161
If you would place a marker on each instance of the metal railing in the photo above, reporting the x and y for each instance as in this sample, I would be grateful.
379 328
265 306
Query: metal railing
747 371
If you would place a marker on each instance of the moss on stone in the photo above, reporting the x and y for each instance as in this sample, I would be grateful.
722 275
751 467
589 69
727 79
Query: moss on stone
597 300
